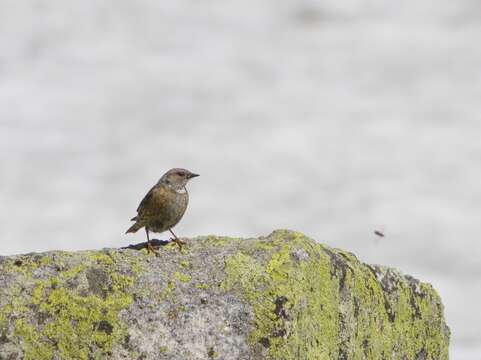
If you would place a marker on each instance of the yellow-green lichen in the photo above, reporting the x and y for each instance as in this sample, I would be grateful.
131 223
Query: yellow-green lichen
34 347
312 302
61 318
387 320
182 277
168 290
294 302
202 286
217 240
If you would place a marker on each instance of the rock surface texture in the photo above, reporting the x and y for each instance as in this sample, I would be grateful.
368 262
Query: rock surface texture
283 296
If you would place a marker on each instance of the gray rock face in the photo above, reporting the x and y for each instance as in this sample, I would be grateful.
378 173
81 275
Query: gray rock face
278 297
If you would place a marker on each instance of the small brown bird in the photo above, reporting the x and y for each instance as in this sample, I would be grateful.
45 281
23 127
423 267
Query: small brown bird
164 205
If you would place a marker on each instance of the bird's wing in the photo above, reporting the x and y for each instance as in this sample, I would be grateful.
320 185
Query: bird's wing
145 201
154 201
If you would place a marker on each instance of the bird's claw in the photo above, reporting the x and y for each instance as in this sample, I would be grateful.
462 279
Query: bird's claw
179 242
152 249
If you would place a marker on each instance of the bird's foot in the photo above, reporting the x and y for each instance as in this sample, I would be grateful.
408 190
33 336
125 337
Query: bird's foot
152 249
179 242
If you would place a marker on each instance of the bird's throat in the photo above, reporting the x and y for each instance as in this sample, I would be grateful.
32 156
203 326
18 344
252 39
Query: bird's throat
182 190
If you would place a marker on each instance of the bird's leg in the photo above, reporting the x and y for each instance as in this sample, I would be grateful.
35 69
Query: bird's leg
177 240
150 248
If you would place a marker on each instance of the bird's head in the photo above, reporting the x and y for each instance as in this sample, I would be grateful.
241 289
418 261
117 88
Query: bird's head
177 178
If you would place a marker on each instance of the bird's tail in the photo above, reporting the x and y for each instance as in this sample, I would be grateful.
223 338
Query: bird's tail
134 228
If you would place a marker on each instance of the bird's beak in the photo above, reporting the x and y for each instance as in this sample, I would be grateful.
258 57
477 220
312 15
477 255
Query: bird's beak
192 175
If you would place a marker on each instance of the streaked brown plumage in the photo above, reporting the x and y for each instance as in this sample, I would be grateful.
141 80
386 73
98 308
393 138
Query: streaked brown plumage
164 205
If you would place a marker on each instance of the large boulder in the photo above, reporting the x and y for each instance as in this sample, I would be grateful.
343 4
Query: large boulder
283 296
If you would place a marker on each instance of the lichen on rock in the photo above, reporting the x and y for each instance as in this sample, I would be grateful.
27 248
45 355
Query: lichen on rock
67 307
283 296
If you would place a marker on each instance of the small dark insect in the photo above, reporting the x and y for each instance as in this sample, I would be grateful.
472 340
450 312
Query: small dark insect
378 233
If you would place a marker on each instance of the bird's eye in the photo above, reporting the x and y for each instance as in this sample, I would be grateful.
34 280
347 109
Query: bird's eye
179 173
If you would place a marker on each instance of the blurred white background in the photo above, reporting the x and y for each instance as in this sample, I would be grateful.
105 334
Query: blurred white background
334 118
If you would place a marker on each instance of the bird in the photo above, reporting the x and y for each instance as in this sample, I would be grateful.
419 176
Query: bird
163 206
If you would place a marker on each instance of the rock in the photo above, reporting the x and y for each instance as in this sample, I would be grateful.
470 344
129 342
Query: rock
278 297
